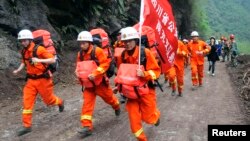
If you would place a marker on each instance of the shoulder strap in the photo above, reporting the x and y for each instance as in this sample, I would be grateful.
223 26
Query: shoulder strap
93 56
34 53
110 55
143 56
123 56
80 55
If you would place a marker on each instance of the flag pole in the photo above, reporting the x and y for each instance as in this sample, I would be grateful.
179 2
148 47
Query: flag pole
140 29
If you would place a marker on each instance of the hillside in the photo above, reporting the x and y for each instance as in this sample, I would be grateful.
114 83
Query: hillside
229 16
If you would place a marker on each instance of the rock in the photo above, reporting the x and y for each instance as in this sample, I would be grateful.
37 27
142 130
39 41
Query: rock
8 57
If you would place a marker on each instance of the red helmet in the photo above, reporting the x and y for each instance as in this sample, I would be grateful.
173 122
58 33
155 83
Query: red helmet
225 39
231 36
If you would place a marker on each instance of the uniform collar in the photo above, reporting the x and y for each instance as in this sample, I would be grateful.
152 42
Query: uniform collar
135 54
31 46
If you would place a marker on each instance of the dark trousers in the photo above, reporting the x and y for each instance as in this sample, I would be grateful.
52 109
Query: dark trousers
211 66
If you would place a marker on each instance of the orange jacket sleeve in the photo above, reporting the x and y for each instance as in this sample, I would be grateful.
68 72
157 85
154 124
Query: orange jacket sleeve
103 62
153 70
43 53
182 51
206 48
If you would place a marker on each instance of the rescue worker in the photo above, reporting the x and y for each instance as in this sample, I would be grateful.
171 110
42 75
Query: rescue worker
119 47
176 72
187 59
233 50
197 50
118 43
144 108
102 89
212 56
39 79
226 50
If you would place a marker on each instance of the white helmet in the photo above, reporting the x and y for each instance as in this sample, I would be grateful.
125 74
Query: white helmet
85 36
25 34
129 33
194 34
185 40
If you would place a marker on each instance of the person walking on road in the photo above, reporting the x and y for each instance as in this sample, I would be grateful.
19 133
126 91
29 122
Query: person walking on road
212 56
197 50
92 63
176 72
141 104
234 52
39 79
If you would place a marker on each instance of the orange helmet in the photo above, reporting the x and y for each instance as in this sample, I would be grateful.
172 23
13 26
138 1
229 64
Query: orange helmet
231 36
222 38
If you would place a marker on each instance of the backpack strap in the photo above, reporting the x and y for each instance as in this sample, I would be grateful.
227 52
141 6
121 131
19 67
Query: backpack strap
93 56
143 56
23 55
34 52
80 55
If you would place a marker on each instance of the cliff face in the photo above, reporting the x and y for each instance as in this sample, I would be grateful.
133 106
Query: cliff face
65 18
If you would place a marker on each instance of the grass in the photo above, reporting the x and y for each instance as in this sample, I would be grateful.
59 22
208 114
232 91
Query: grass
244 47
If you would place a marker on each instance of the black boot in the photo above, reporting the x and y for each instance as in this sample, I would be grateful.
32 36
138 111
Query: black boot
23 130
118 112
61 107
85 131
158 122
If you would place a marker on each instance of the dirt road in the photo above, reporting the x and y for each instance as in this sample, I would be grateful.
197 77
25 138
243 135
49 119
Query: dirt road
182 118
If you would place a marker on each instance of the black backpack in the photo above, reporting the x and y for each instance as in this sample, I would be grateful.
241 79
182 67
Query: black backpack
111 70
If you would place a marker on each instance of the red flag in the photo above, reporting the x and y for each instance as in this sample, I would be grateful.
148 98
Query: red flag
158 15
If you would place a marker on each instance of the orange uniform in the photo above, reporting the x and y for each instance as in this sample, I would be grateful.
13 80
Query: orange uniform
144 108
177 71
197 52
103 90
118 44
36 83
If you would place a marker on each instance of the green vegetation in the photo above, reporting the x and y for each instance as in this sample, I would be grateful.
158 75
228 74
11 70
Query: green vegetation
225 17
244 47
199 18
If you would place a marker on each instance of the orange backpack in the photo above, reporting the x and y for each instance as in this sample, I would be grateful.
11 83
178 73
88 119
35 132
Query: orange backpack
43 38
101 39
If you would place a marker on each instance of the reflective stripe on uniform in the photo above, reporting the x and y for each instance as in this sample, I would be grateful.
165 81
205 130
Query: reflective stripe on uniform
138 133
100 69
57 101
180 86
27 111
195 77
184 53
88 117
117 102
206 50
152 74
172 82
